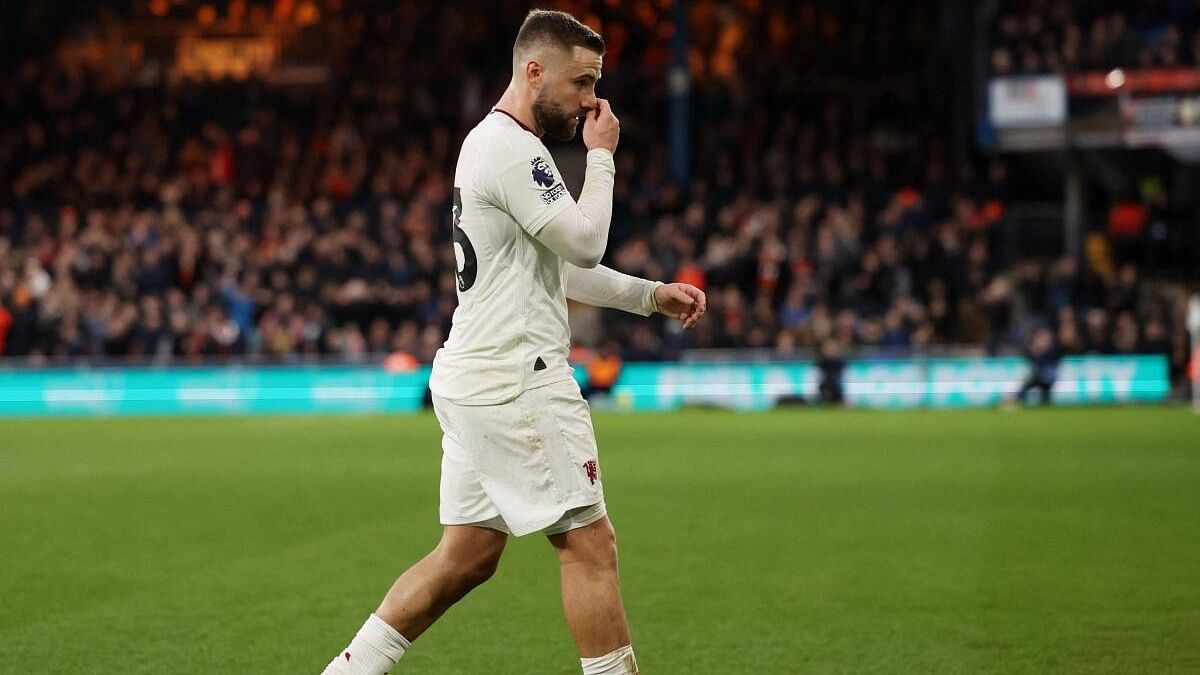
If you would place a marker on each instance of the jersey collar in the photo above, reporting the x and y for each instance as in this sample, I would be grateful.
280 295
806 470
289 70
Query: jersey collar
513 118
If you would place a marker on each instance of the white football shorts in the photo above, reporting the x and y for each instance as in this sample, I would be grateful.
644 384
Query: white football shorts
528 465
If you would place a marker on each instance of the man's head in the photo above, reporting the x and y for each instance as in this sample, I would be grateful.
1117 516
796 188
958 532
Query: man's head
557 60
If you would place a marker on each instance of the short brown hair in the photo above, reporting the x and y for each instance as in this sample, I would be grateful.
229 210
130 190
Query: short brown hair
556 28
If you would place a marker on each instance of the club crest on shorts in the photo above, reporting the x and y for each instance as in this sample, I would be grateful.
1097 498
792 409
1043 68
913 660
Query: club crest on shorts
592 470
542 174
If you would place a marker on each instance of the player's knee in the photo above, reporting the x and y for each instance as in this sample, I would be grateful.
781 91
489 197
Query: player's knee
483 568
469 571
597 547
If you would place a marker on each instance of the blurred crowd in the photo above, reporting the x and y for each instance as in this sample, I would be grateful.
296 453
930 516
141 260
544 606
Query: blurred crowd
1068 36
196 220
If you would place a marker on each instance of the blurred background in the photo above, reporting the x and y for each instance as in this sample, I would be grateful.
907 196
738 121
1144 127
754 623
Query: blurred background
867 191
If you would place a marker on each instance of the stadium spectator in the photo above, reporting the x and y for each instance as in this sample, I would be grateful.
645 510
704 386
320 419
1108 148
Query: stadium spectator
603 370
1043 359
1067 36
832 365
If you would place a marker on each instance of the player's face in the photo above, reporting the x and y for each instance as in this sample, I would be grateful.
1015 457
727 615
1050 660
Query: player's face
568 93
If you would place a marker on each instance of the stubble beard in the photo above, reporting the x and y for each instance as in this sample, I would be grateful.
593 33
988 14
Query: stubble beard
552 120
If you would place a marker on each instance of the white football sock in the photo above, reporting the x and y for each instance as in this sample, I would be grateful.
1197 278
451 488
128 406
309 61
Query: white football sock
373 651
618 662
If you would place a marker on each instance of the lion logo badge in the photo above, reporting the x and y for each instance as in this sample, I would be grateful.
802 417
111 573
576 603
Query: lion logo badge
542 174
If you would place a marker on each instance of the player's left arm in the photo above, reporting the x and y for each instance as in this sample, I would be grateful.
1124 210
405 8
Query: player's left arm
602 286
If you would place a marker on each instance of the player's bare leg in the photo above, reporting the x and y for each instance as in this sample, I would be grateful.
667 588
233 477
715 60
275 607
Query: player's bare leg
466 557
591 593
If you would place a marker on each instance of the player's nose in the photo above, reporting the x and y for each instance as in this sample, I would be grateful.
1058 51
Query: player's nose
589 103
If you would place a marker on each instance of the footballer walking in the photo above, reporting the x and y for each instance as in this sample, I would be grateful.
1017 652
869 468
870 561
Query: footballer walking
518 450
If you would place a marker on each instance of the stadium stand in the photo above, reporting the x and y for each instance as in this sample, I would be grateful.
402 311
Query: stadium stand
192 220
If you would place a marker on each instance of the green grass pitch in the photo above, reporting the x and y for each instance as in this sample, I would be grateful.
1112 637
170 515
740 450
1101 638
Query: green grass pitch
802 541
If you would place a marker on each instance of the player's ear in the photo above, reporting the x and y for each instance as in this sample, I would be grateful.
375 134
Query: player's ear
534 71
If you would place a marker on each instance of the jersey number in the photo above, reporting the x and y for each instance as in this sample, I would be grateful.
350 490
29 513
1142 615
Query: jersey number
464 252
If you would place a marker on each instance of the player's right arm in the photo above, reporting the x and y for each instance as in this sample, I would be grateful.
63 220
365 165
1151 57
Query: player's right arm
576 232
579 235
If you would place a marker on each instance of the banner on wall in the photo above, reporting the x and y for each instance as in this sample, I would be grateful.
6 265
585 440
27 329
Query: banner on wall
210 391
905 383
1027 101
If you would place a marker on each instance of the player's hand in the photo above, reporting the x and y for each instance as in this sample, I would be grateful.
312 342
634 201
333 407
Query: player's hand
601 128
682 301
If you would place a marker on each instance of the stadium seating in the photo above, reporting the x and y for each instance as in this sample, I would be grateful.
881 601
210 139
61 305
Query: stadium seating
238 220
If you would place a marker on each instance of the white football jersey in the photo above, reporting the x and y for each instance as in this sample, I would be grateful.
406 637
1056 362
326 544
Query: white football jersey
510 330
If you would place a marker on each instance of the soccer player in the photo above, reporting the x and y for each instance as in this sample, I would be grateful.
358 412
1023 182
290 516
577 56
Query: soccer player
518 450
